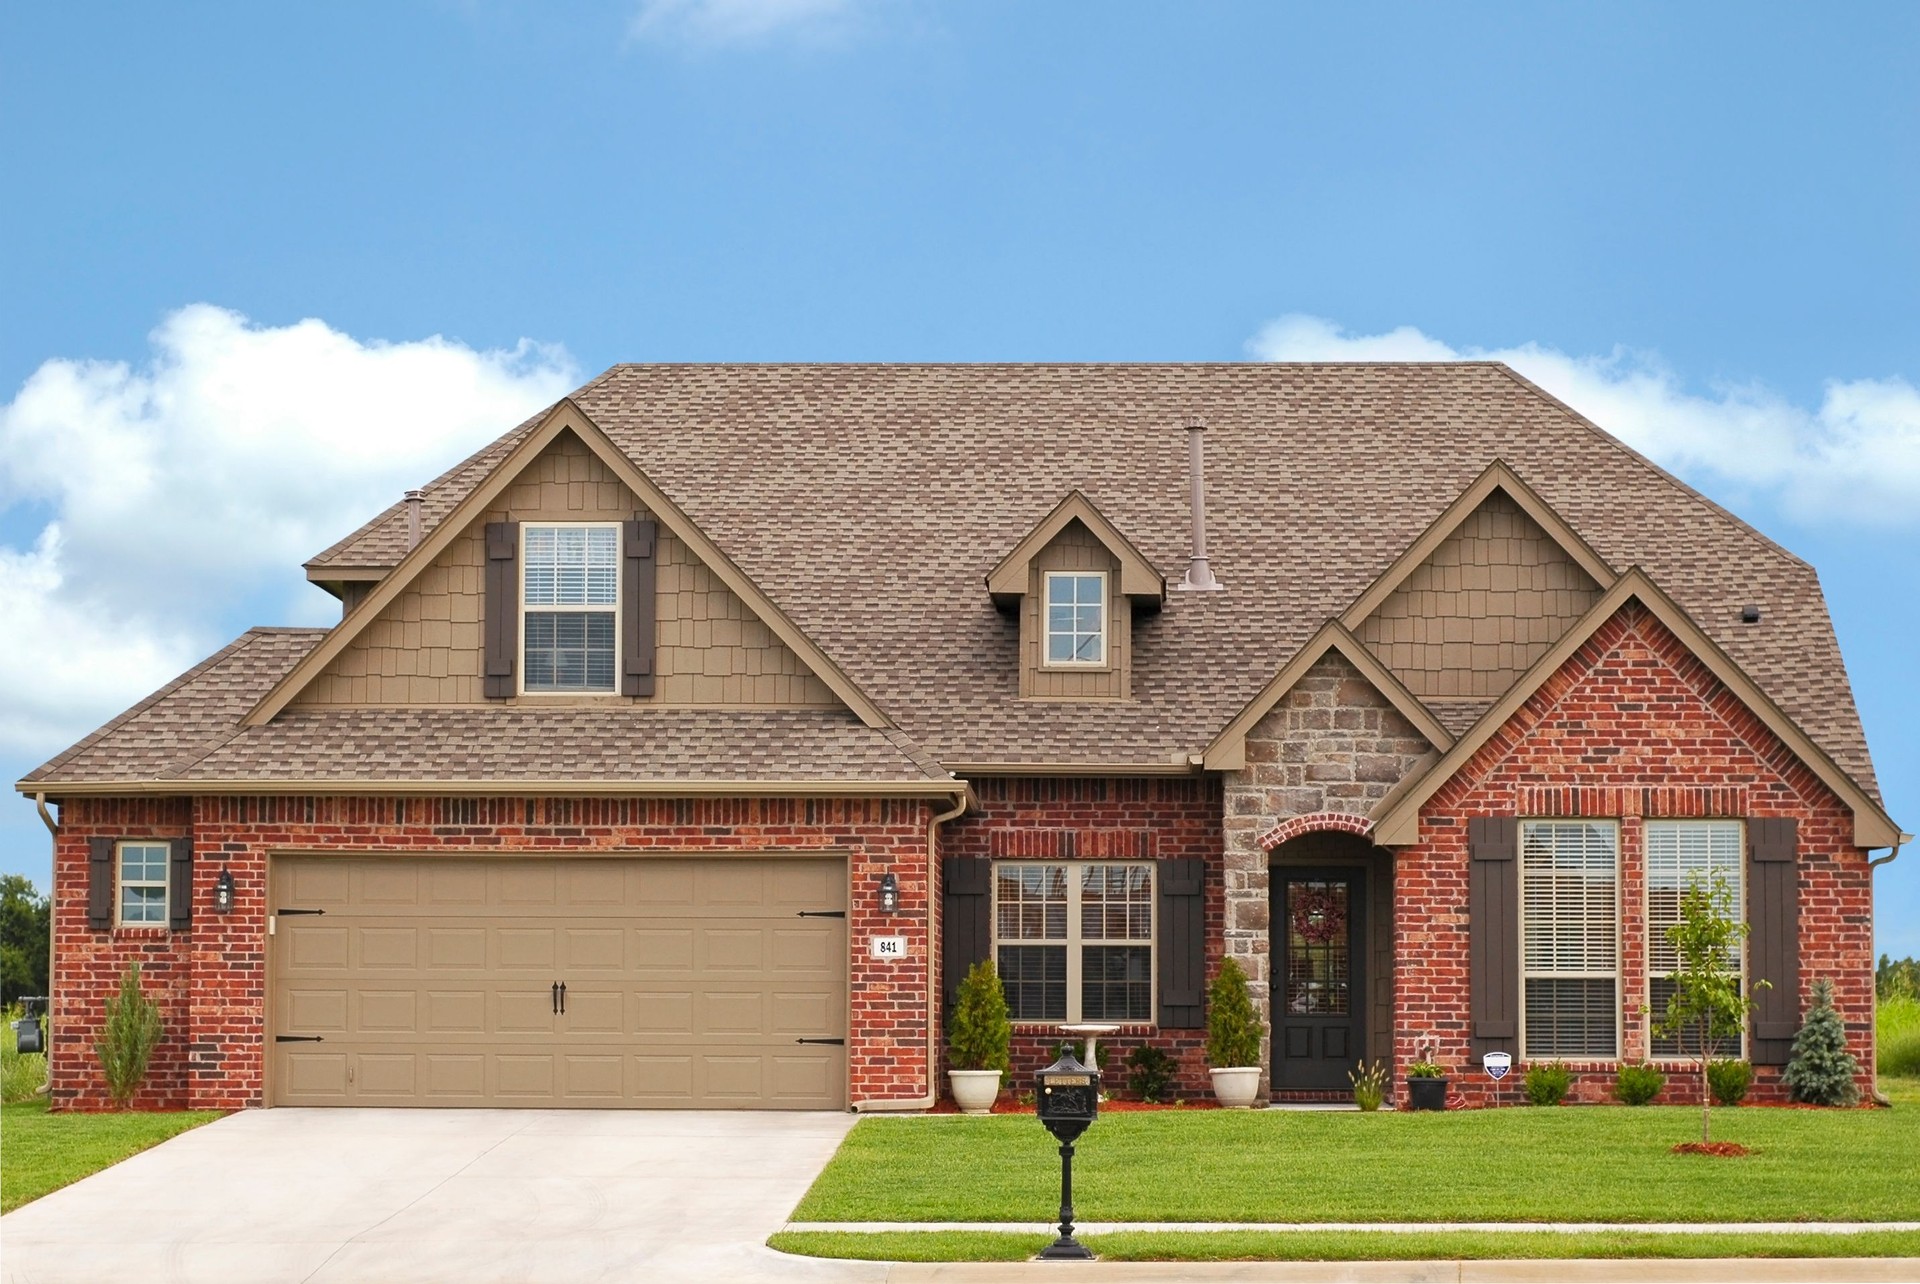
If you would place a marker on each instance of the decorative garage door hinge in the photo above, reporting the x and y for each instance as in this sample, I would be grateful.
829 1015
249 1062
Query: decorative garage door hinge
298 1038
291 912
821 914
838 1043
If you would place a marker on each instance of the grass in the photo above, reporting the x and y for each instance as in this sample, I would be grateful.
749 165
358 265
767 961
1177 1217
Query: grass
41 1152
1343 1246
1521 1164
1897 1035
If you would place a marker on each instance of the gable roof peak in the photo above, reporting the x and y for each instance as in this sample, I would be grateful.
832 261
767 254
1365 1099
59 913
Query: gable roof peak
1140 579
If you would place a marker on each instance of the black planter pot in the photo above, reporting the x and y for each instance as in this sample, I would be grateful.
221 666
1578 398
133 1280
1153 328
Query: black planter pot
1426 1094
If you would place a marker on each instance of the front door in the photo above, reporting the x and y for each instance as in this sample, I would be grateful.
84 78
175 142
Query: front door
1319 997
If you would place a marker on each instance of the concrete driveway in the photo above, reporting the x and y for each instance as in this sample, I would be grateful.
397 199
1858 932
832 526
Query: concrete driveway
433 1195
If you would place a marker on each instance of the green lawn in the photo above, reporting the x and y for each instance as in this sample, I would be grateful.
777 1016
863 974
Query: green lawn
1320 1246
1608 1164
41 1152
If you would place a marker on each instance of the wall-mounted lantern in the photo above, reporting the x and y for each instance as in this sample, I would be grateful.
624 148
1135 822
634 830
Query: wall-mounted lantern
889 893
223 891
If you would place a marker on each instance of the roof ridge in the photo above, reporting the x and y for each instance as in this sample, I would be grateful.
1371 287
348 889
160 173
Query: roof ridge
1670 478
1250 364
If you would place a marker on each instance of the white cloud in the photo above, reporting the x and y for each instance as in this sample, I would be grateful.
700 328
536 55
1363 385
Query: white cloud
206 475
718 22
1854 457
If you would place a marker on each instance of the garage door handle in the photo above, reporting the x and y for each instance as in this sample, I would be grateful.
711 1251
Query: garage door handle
563 998
821 914
298 1038
840 1043
554 991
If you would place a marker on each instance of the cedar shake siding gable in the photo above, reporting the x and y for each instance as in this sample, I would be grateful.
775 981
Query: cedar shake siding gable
426 646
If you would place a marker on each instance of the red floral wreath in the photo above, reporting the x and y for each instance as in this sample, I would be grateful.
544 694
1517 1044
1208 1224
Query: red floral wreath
1317 916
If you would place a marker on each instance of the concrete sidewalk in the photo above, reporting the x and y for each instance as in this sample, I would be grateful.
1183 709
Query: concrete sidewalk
1403 1228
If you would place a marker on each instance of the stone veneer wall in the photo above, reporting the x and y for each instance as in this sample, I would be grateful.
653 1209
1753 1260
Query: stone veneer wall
1332 744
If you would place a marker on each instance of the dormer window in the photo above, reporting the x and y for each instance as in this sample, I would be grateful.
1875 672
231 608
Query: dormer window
569 606
1076 618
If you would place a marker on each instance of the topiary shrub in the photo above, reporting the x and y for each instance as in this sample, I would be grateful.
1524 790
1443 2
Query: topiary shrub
1150 1072
981 1033
1636 1085
128 1037
1730 1081
1547 1083
1822 1070
1234 1028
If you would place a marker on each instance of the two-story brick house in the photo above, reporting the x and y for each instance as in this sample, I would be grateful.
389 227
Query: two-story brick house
685 745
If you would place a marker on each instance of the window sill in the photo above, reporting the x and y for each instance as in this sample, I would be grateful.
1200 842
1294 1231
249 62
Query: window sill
1129 1030
145 932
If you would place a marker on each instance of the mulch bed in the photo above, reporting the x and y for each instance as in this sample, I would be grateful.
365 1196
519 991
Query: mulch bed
1718 1149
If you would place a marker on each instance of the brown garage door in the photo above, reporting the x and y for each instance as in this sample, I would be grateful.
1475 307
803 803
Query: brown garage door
427 981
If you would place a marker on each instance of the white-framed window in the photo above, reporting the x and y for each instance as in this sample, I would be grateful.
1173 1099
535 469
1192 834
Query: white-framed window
1076 607
1681 854
142 871
1570 939
1073 940
569 606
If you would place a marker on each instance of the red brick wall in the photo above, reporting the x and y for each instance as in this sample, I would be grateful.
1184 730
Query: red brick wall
1632 727
1082 819
211 980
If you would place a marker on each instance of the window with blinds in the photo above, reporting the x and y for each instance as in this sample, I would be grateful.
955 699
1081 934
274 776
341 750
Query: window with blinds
1683 854
1074 941
570 602
1570 938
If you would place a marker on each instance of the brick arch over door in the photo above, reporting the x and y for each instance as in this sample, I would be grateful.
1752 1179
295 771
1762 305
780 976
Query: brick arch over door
1317 822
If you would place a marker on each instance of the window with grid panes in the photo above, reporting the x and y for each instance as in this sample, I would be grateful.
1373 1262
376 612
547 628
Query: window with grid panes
143 884
1076 617
1073 941
1681 854
1570 938
570 577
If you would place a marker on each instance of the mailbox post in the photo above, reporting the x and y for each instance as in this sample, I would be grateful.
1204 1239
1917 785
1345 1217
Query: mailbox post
1069 1097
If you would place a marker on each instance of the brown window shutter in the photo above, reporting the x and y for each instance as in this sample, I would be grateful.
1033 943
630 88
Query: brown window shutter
1493 933
502 628
1183 944
636 609
100 883
180 885
1773 941
966 920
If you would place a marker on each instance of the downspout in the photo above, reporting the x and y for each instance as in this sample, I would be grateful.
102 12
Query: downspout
933 990
53 872
1880 1098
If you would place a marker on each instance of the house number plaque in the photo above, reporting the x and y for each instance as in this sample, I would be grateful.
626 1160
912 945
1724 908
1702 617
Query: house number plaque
889 947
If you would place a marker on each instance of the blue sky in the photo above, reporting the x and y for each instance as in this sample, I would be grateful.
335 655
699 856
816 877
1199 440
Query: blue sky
1696 222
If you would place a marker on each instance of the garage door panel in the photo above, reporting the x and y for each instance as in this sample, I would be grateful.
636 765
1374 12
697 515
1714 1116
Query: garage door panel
389 1011
388 947
456 1012
688 981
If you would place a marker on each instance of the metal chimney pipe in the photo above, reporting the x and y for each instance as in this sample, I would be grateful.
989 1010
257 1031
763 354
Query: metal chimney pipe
414 500
1199 576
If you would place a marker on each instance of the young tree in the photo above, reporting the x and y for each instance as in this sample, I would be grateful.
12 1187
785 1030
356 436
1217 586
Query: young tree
128 1037
1707 1004
1821 1070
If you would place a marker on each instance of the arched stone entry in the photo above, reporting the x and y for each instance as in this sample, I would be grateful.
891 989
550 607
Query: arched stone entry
1332 958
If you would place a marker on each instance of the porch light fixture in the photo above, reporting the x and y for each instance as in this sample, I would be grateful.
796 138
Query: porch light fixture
889 893
223 891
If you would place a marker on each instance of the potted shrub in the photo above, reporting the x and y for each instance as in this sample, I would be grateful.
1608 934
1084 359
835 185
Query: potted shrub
1234 1032
1426 1078
977 1045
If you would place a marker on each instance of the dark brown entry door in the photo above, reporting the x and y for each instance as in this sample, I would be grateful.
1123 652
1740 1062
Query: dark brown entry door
1319 1001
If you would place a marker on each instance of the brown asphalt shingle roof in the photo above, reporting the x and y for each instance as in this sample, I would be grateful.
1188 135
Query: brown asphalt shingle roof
868 502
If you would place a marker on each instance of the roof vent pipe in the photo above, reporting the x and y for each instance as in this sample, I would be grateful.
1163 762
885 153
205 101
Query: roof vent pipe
1199 576
414 500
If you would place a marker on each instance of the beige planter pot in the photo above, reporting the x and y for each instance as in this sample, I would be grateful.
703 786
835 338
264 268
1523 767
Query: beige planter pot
1237 1086
974 1090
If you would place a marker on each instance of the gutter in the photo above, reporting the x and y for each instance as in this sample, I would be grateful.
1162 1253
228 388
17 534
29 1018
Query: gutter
1880 1098
53 873
518 788
933 1022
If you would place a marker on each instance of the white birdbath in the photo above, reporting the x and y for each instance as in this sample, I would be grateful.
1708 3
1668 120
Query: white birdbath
1091 1033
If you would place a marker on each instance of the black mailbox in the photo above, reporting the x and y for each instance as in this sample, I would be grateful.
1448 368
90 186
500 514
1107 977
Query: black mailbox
1068 1094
